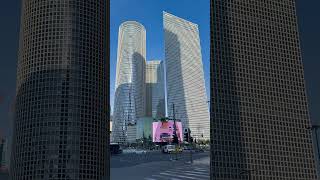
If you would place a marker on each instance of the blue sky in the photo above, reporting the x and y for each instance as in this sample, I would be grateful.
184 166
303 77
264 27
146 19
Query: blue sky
149 14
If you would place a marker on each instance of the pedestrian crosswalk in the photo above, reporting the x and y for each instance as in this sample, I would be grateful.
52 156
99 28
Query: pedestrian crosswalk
187 172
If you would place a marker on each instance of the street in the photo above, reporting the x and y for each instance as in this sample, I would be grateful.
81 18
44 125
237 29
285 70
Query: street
158 166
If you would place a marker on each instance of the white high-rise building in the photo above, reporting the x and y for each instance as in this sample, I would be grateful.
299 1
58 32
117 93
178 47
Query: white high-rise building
185 76
131 133
130 87
155 99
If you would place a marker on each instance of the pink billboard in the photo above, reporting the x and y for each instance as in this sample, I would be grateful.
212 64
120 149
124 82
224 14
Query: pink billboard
163 131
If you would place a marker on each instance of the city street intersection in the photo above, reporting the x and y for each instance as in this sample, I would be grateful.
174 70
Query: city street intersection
158 166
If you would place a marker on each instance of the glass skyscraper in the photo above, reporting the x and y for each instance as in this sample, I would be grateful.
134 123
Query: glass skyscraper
3 153
61 95
260 116
129 103
155 100
185 76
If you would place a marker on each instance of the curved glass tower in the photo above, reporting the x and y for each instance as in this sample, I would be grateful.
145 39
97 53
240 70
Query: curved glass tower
61 99
130 87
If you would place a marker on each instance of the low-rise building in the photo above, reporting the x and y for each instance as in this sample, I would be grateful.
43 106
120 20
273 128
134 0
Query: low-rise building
144 127
132 133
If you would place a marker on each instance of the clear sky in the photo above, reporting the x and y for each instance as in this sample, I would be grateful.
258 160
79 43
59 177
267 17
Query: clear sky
149 14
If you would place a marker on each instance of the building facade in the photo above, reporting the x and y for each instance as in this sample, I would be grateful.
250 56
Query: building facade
130 87
131 133
61 93
144 127
316 146
3 154
110 129
259 113
2 147
155 97
184 76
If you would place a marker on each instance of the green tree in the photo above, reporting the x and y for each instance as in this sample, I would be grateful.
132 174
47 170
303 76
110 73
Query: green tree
163 119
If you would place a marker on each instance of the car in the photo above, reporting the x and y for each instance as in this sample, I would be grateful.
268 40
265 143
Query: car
128 151
179 149
115 148
152 148
138 151
199 150
169 149
188 149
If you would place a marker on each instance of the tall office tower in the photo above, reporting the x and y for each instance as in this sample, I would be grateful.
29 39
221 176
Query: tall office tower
316 146
2 144
3 153
129 103
155 100
61 96
259 114
185 76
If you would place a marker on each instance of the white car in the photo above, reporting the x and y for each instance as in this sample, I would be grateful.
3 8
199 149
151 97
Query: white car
169 148
140 151
128 151
134 151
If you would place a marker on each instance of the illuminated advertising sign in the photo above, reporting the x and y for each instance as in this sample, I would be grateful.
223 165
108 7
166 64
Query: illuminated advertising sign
163 131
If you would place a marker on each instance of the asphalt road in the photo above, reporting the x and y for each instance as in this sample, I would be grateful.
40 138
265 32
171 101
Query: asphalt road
126 160
158 166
